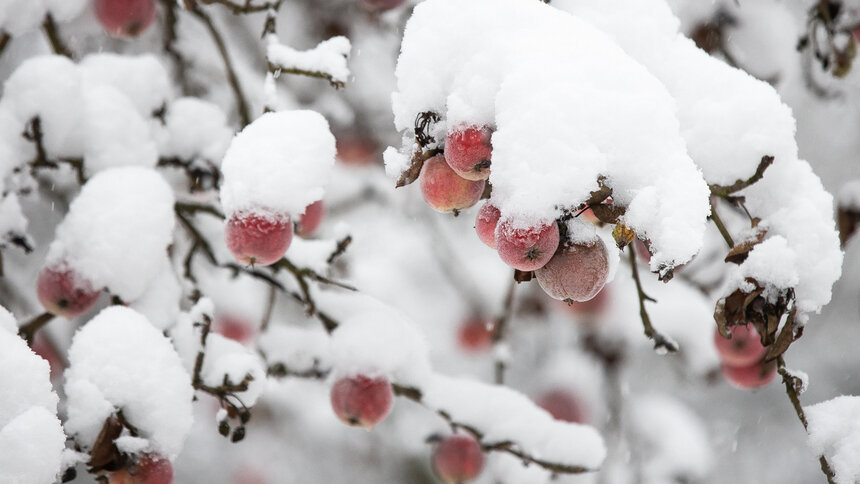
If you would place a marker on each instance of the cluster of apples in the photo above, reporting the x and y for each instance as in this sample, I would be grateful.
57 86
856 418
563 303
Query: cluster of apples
742 357
262 238
455 180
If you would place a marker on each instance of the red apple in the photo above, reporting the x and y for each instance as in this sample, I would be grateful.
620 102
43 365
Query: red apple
125 18
486 222
756 375
235 328
742 348
577 272
475 335
562 406
149 469
446 191
258 239
361 401
310 221
356 150
458 458
526 247
64 292
468 151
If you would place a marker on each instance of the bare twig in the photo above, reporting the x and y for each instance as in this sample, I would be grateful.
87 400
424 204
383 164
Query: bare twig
242 8
49 26
661 342
169 38
270 307
724 191
5 38
277 70
499 328
30 328
721 226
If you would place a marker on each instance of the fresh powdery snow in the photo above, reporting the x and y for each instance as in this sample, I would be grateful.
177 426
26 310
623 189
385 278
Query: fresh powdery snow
31 436
120 362
849 195
18 17
143 79
117 230
568 106
834 431
329 57
194 129
278 164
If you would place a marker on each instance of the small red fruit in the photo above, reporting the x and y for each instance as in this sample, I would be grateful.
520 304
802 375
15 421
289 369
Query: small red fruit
361 401
756 375
310 221
125 18
458 459
486 222
149 469
257 239
468 151
475 335
446 191
234 328
577 272
743 348
562 406
65 293
526 248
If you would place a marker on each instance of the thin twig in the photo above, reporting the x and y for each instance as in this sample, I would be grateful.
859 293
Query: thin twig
5 38
49 26
724 191
169 38
270 307
721 226
28 330
277 70
242 8
661 342
499 328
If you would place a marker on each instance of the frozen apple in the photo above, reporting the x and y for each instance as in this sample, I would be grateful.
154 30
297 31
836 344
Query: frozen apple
577 272
258 239
756 375
742 348
125 18
458 459
475 334
526 247
310 221
361 401
446 191
149 469
468 151
64 292
486 222
562 406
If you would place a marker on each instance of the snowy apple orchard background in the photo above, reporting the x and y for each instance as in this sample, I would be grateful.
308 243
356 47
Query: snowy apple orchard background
136 154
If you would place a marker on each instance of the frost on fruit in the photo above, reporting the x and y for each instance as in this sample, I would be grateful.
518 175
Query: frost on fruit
361 401
458 458
125 18
577 272
446 191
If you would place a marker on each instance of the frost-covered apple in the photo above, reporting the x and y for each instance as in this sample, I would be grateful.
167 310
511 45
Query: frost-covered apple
475 335
361 401
743 348
468 151
486 222
756 375
526 247
149 469
125 18
446 191
562 405
381 4
310 221
258 238
577 272
458 459
64 292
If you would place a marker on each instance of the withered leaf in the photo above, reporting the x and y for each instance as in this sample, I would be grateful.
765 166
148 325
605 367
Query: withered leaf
608 213
740 251
105 454
411 173
848 221
784 340
623 235
523 276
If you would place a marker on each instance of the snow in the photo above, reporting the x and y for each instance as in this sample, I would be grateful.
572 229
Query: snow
279 163
31 437
12 219
142 78
159 303
18 17
597 113
298 349
772 264
328 57
849 196
195 129
312 254
120 362
117 230
834 431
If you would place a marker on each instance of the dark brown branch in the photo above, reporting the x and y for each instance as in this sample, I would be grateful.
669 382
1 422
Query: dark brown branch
715 217
49 26
169 38
661 342
242 8
30 328
270 307
5 38
791 389
724 191
205 327
499 328
339 250
241 103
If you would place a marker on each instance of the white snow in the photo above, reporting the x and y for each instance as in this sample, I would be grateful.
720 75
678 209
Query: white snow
117 230
195 129
160 301
18 17
328 57
849 196
12 219
142 78
834 431
120 361
278 163
298 349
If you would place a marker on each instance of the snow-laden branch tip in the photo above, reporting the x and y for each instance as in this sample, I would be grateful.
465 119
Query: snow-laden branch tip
328 60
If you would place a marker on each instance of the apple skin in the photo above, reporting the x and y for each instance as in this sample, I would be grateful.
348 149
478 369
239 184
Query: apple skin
475 335
235 328
149 469
744 348
750 377
310 221
468 151
577 272
562 405
362 401
65 293
125 18
446 191
526 248
257 239
458 458
486 223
